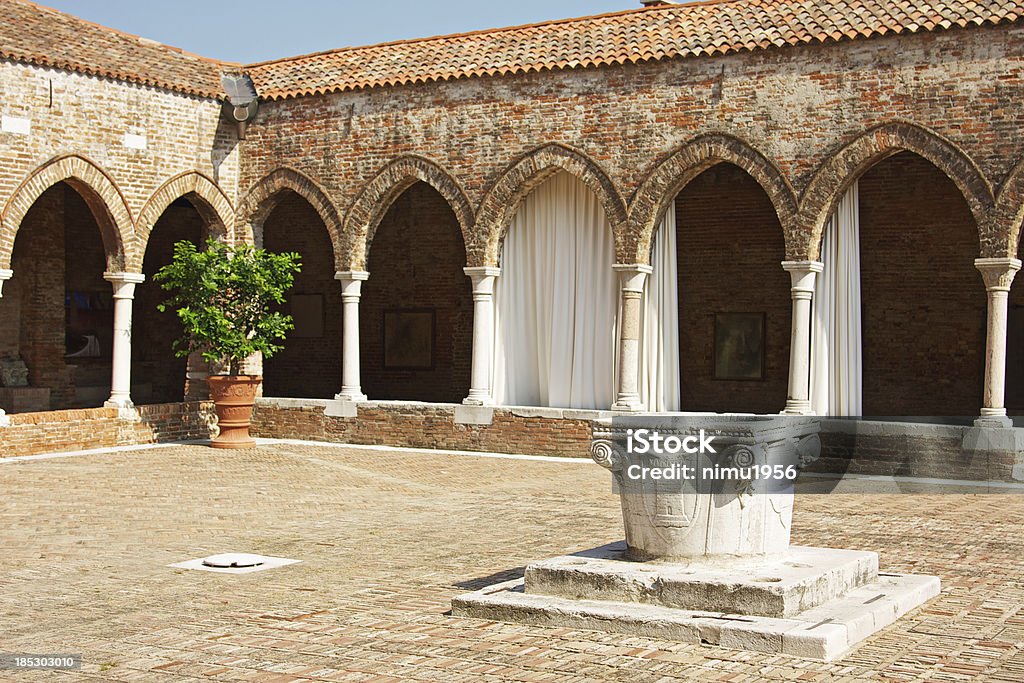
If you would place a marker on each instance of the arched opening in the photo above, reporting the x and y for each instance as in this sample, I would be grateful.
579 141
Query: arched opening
556 301
733 295
159 375
309 366
900 307
923 303
416 315
57 309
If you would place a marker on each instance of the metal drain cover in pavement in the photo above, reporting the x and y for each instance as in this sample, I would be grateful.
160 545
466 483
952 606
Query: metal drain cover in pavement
234 563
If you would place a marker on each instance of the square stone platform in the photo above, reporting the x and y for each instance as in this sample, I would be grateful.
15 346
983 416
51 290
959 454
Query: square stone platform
812 602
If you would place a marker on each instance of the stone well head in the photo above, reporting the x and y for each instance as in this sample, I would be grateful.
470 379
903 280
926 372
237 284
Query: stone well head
705 487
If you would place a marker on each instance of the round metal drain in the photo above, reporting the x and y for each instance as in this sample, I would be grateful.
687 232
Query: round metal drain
233 561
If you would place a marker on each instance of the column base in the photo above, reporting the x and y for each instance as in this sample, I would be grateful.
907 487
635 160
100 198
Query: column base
998 421
477 400
352 396
628 405
797 407
125 407
4 420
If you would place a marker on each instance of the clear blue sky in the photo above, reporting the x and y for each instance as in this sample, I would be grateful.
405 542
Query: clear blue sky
257 30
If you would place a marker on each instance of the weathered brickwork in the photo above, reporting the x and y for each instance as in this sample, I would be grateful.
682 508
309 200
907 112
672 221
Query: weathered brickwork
69 430
78 127
804 121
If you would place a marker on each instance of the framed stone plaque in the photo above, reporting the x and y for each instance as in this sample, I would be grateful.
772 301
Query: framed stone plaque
739 346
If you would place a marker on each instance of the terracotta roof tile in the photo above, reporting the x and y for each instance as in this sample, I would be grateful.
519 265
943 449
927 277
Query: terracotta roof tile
638 35
39 35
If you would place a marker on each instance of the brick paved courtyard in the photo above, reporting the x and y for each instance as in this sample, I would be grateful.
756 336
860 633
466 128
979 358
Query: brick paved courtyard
386 540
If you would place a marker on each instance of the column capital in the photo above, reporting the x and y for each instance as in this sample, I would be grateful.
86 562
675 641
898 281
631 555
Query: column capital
802 275
351 275
481 271
5 275
124 283
632 275
997 273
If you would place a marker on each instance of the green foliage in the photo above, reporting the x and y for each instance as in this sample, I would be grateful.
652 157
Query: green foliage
225 299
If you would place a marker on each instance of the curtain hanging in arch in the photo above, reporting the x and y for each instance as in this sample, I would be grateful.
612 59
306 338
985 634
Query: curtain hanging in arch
836 387
555 301
659 356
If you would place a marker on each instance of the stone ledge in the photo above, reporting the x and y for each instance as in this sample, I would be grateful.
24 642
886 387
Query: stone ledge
769 587
825 632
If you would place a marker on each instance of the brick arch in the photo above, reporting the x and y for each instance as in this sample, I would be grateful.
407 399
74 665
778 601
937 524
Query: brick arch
1010 212
376 197
850 162
261 198
673 173
502 201
213 205
101 194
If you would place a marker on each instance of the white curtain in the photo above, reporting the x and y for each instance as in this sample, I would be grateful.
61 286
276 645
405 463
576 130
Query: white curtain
555 301
836 325
659 356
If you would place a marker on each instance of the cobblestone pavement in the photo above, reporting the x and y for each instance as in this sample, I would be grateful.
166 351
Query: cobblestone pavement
387 539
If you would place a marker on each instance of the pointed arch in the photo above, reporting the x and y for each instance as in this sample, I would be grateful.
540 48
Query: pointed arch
502 201
214 206
259 201
101 194
376 197
849 163
1010 213
673 173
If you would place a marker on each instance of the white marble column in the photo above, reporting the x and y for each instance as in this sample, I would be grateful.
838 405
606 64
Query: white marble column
998 275
631 279
5 275
351 289
483 278
121 372
802 275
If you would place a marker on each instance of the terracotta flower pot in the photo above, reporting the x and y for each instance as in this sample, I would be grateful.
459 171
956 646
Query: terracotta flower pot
233 397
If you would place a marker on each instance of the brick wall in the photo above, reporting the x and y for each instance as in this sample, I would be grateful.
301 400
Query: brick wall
923 299
83 429
729 248
308 366
416 262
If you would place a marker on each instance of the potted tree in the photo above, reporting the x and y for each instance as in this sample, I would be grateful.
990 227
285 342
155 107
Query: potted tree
226 298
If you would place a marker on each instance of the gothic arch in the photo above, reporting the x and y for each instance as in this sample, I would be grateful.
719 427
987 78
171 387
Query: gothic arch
850 162
215 207
379 193
257 205
672 174
1009 214
105 201
501 202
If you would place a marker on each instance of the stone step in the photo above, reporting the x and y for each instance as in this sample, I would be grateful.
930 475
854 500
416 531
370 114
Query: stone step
771 587
825 632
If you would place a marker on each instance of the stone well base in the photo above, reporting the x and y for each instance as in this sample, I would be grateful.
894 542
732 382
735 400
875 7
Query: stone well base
814 602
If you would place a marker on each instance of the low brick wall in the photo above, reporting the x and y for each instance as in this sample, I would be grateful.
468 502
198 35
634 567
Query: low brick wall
73 430
429 425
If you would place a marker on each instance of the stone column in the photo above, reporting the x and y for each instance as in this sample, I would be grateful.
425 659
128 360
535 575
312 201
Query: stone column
483 278
121 373
351 286
802 274
998 276
5 275
631 279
